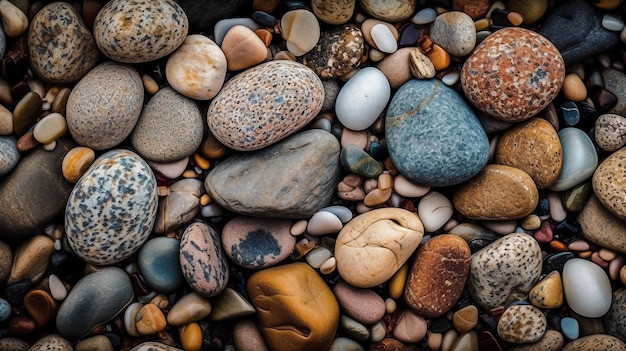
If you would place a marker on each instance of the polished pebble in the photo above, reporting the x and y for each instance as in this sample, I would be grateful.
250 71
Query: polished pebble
522 324
579 274
579 159
362 99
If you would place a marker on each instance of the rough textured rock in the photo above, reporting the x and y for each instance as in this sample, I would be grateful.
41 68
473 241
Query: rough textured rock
522 324
455 32
609 183
552 340
615 320
337 52
596 342
333 11
602 227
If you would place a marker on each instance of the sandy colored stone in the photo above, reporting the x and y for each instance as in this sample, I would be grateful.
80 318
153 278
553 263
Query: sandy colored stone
574 88
243 48
465 319
337 52
389 10
52 342
396 67
596 342
455 32
547 293
602 227
609 183
610 132
333 11
31 259
522 324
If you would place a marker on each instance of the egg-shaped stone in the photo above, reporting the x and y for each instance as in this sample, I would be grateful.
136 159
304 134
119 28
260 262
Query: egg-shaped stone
587 288
609 183
362 99
112 208
159 264
265 104
141 30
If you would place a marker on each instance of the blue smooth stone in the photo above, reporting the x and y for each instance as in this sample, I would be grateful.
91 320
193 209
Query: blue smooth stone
570 328
5 310
570 113
159 264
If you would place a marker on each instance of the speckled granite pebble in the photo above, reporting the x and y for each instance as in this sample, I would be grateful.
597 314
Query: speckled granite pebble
596 342
455 32
513 74
609 183
610 132
615 320
333 11
141 30
9 155
112 208
337 52
265 104
52 342
522 324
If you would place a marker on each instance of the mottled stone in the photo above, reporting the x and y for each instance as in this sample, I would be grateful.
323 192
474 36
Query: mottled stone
61 47
333 11
192 307
337 52
111 210
154 346
551 340
9 155
522 324
433 137
151 29
180 206
615 319
265 104
610 132
14 344
159 264
272 183
548 292
505 270
500 83
386 10
455 32
52 342
363 305
356 160
596 342
615 82
609 183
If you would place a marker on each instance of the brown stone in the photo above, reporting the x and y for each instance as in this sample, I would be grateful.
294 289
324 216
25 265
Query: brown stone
243 48
601 227
41 306
333 11
396 67
609 183
337 52
596 342
389 10
31 259
476 9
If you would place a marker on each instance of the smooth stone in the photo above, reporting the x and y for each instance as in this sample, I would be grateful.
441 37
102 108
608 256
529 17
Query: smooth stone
548 292
150 320
404 187
76 162
525 89
530 10
265 104
535 148
323 223
397 66
434 210
257 243
345 344
596 342
455 32
62 49
31 259
5 310
366 28
50 128
78 315
26 112
121 189
363 305
197 69
465 319
242 48
171 170
362 99
356 160
14 344
3 43
302 319
570 329
230 304
192 307
522 324
578 275
391 11
615 82
331 90
248 337
384 39
224 25
154 346
610 132
202 259
353 328
180 206
504 270
551 340
301 31
337 52
614 320
498 192
104 106
343 213
333 11
250 183
579 159
94 343
6 116
38 185
438 275
316 257
159 264
373 246
609 183
52 342
9 155
152 29
424 113
410 328
165 112
574 88
6 261
57 287
424 16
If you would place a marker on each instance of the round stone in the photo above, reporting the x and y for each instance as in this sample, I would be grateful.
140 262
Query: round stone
337 52
610 132
9 155
578 276
159 264
513 74
609 183
363 305
243 48
52 342
522 324
362 99
389 10
580 159
455 32
5 310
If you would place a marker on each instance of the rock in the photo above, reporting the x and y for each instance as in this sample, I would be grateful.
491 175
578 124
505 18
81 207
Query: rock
525 86
530 10
203 14
547 293
374 245
331 90
38 186
248 337
337 52
363 305
392 11
3 43
94 343
522 324
533 147
345 344
455 32
324 222
579 159
362 99
31 258
596 342
154 346
576 31
197 69
578 276
159 264
267 182
190 308
78 314
300 319
52 342
615 82
465 319
243 48
180 206
610 132
61 47
615 318
410 328
6 261
104 106
504 270
385 39
272 100
609 183
229 305
150 320
9 155
355 160
76 162
301 31
497 193
169 128
425 113
434 210
152 29
476 9
14 344
333 12
551 340
202 259
397 66
111 210
370 23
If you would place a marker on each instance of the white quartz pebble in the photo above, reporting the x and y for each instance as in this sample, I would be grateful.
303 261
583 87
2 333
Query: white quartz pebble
587 288
362 99
57 288
384 39
424 16
434 211
407 188
451 78
328 266
612 23
318 256
324 222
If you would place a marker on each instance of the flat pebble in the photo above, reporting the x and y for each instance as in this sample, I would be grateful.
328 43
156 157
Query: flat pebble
356 160
94 343
522 324
323 223
579 158
424 16
31 259
362 99
364 305
610 132
50 128
465 319
612 23
578 274
301 31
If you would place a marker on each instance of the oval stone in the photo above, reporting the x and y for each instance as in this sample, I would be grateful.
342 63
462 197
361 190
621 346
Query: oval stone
333 11
610 132
522 324
433 137
600 226
615 319
389 10
596 342
140 31
364 305
580 159
455 32
609 183
159 264
95 299
337 52
112 208
9 155
513 74
587 288
52 342
362 99
265 104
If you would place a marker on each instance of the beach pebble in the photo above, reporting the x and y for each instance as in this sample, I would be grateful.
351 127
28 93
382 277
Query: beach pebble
355 160
150 320
363 305
50 128
52 342
384 39
242 48
333 11
551 340
9 155
6 261
154 346
579 159
578 275
407 188
522 324
397 66
596 342
31 259
324 223
159 264
410 328
465 319
179 206
345 344
424 16
362 99
609 183
248 337
602 227
230 304
192 307
548 292
337 52
455 32
301 31
615 318
392 11
615 82
76 162
94 343
610 132
434 209
171 170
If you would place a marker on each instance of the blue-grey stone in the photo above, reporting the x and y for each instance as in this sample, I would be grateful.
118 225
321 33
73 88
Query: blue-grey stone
5 310
575 28
9 155
433 136
159 264
3 43
570 328
356 160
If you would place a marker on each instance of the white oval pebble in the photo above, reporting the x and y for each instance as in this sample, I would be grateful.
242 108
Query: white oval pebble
171 170
612 23
407 188
434 211
57 288
384 39
130 317
587 288
328 266
344 213
451 78
318 256
223 26
324 222
424 16
362 99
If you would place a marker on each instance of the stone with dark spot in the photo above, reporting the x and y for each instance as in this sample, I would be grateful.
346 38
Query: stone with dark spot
596 342
337 52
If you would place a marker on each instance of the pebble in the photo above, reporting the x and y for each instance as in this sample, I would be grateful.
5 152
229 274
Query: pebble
404 187
454 31
612 23
551 340
179 206
391 11
301 31
159 264
324 223
343 213
424 16
353 329
50 128
614 82
224 25
5 310
30 259
154 346
548 292
52 342
465 319
397 66
596 342
94 343
613 320
522 324
345 344
384 39
578 274
150 320
190 308
9 155
410 328
574 88
355 160
610 132
570 329
248 337
331 90
434 209
362 99
579 159
14 344
337 52
363 305
609 184
243 48
26 112
230 304
333 12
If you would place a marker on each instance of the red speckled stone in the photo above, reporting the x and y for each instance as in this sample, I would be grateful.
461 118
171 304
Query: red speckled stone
513 74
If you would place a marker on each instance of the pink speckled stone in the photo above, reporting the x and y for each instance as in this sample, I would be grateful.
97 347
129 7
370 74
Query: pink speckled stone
513 74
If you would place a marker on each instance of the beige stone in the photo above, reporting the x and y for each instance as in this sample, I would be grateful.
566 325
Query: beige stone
420 65
609 183
31 259
596 342
465 319
333 11
389 10
522 324
574 88
243 48
610 132
14 21
396 67
552 340
189 308
601 227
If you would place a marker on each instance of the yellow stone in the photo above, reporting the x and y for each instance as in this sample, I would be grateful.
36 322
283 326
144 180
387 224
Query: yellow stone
76 162
190 337
398 281
548 293
150 320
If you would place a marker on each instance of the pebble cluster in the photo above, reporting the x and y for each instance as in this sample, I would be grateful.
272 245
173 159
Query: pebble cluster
256 175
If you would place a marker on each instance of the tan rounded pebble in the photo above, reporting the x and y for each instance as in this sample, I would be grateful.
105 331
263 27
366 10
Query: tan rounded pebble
522 324
455 32
76 162
610 132
6 121
301 31
434 340
609 183
600 226
333 11
357 138
531 222
94 343
243 48
14 344
299 227
405 187
328 266
190 308
574 88
31 259
396 67
50 128
323 223
607 254
411 327
150 320
149 84
377 197
434 210
547 293
420 65
14 21
465 319
190 337
552 340
389 10
596 342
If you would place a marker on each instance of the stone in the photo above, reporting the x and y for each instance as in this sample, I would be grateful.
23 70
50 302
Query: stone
190 308
223 26
373 246
248 337
9 155
610 132
40 306
159 264
397 66
76 162
363 305
369 24
104 106
355 160
498 192
78 315
112 208
353 328
300 319
52 342
230 304
94 343
169 128
243 48
609 184
438 275
333 12
584 35
465 319
410 328
596 342
530 10
533 147
384 38
434 210
148 34
272 100
548 292
570 328
579 159
26 112
257 243
6 261
391 11
150 320
615 318
154 346
574 88
15 344
337 52
433 137
615 82
504 270
34 193
551 340
522 324
62 49
202 259
263 183
476 9
31 258
180 206
362 99
455 32
578 275
50 128
197 69
301 31
343 343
